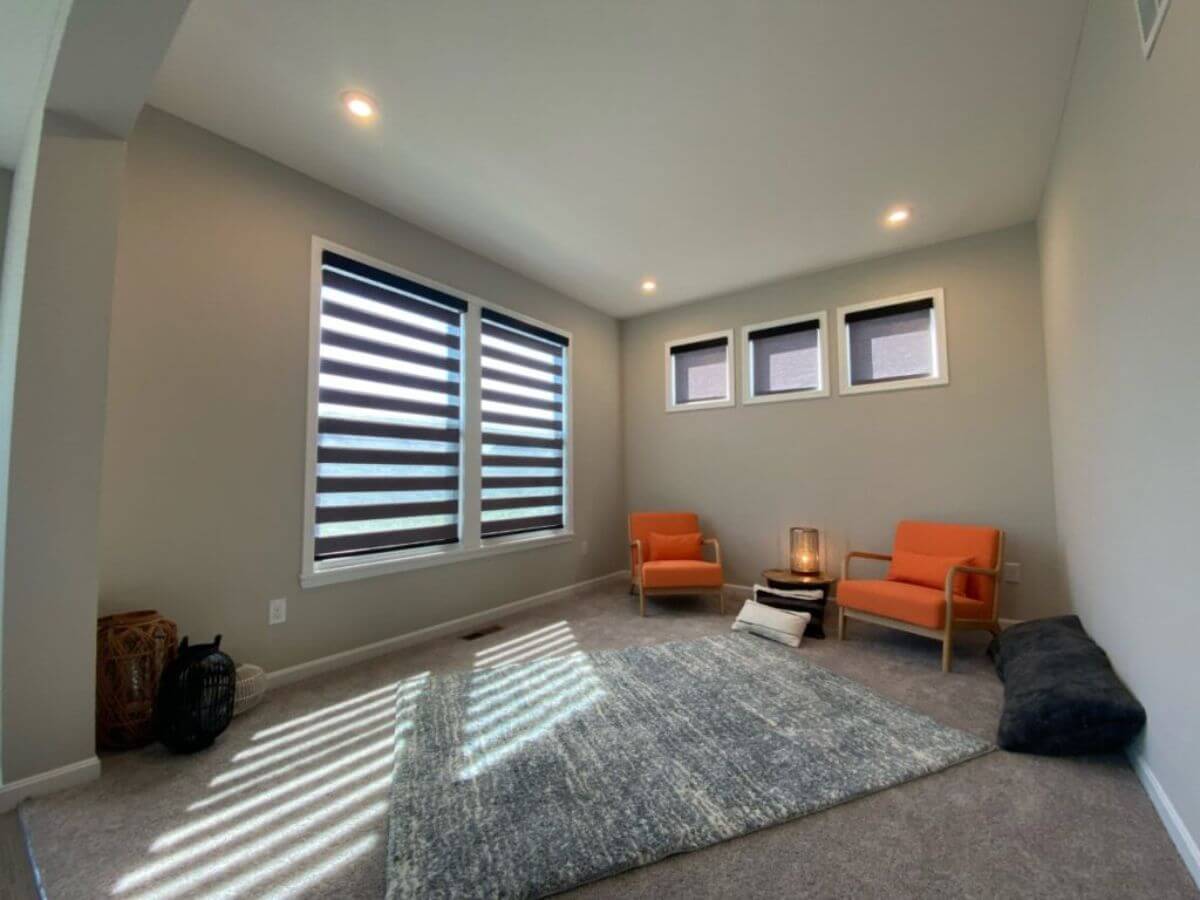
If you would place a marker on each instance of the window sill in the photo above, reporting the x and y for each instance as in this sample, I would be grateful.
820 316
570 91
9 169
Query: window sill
785 396
701 404
900 384
426 558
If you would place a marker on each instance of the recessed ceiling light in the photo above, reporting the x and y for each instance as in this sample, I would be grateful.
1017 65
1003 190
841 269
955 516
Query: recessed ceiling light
898 215
359 105
649 286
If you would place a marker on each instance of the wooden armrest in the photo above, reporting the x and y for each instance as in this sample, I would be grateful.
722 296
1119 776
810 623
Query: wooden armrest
951 573
636 547
970 570
716 548
861 554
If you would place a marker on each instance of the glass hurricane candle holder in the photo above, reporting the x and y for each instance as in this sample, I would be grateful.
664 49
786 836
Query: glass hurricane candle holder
805 557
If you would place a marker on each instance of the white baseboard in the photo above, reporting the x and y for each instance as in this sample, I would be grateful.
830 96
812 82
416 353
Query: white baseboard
299 672
59 779
1180 836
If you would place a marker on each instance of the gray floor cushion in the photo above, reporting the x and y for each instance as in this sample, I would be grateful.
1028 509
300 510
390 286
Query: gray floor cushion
1061 695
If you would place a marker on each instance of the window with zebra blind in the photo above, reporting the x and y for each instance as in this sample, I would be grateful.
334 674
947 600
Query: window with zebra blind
438 424
389 417
523 426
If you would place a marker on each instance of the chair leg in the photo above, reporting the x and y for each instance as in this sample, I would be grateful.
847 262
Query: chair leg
841 624
947 650
642 598
721 597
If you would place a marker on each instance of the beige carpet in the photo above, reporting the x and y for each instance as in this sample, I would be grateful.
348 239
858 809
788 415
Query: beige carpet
290 802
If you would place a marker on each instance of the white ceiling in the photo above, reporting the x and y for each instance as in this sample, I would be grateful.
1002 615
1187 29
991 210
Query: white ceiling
711 144
27 30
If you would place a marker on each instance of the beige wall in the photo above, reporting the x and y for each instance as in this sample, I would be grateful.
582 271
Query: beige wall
63 297
204 456
976 450
1120 235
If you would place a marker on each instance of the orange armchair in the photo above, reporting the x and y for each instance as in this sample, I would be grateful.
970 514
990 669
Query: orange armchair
967 598
671 576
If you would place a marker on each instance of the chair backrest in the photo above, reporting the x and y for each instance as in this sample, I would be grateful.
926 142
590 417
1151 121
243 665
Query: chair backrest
642 524
979 542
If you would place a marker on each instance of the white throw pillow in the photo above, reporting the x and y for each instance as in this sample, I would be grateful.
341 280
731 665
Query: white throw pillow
783 625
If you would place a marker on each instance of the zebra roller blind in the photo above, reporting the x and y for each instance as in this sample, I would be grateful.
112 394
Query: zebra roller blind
389 414
523 426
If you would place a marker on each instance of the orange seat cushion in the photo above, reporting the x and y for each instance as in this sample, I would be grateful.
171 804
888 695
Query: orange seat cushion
928 571
909 603
682 573
675 546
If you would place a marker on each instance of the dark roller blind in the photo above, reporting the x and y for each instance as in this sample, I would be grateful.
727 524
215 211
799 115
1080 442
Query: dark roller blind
389 412
523 370
891 343
786 358
700 370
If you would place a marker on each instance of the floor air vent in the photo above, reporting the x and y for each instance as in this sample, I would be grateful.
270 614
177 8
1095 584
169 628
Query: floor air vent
482 632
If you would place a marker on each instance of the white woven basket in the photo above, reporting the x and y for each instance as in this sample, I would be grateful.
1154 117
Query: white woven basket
251 683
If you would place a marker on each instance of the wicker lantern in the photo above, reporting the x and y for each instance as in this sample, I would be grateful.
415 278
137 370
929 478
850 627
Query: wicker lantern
132 650
805 557
195 697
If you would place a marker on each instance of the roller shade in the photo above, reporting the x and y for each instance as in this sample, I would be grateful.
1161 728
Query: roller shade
891 343
700 370
523 370
389 413
786 358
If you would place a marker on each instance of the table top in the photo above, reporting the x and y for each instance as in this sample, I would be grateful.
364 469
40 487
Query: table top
787 576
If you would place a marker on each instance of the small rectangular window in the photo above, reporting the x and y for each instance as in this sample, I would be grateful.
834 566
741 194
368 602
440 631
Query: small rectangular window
785 359
389 413
523 369
895 343
699 372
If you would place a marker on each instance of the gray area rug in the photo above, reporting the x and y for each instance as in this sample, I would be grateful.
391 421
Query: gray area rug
529 779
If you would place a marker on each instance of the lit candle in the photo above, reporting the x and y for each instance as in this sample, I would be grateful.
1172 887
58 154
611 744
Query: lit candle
805 550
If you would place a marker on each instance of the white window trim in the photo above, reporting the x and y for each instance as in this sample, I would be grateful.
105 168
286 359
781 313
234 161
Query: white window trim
822 390
471 545
729 399
941 375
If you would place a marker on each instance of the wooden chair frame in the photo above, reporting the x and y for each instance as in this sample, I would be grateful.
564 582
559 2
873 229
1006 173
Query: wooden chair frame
946 634
642 591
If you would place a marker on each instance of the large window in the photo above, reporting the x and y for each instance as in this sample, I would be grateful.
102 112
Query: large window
785 359
522 426
389 412
417 455
895 343
700 372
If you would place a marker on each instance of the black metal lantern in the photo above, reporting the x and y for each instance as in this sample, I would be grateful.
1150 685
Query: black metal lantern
195 697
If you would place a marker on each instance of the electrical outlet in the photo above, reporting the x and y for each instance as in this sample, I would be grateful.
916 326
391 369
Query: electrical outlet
1012 572
277 611
583 548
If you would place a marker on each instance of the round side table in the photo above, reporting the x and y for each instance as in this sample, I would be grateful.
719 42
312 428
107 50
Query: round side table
787 580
